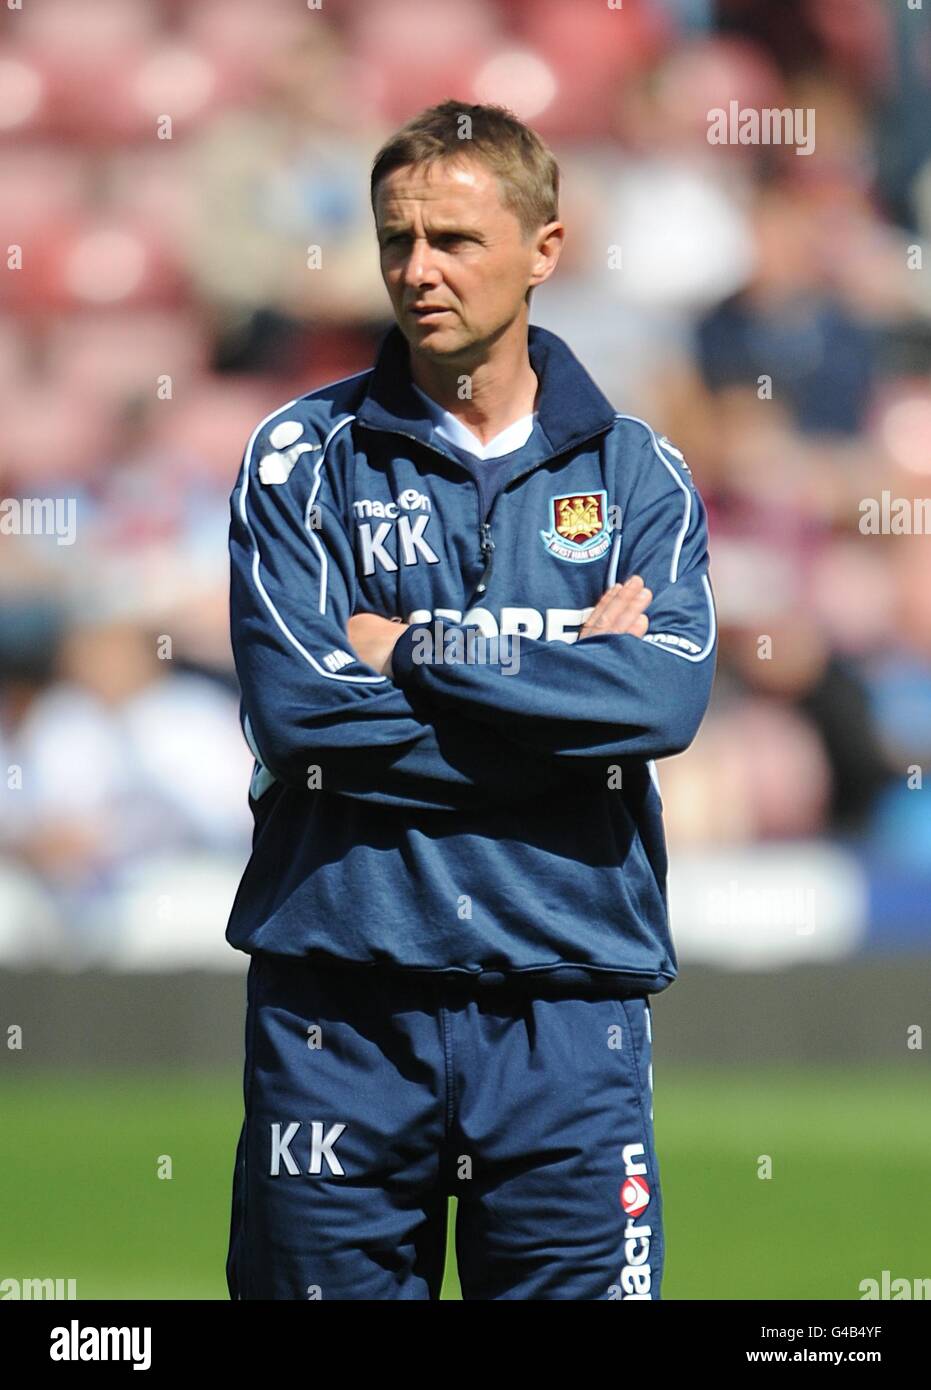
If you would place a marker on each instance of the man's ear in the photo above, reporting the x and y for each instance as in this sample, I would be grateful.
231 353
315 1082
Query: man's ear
549 248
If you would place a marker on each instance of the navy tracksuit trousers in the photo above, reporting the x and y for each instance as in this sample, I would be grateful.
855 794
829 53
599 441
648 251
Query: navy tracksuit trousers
370 1097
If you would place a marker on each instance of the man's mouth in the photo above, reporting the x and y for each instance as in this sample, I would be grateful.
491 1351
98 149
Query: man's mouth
428 311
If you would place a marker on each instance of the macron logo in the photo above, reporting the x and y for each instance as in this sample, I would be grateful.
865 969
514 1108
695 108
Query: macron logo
276 467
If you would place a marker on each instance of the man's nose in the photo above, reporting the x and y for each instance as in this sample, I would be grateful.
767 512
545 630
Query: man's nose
420 268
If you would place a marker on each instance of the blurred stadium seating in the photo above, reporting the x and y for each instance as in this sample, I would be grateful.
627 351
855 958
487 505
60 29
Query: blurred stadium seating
164 166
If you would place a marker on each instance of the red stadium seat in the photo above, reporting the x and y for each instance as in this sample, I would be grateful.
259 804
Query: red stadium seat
39 183
591 50
84 52
239 37
110 356
51 435
98 262
127 97
151 185
25 84
424 50
113 97
93 27
89 95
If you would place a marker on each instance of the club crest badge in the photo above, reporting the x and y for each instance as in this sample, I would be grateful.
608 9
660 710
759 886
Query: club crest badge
579 533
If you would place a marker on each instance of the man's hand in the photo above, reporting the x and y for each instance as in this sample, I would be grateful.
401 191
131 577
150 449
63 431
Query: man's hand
620 609
372 639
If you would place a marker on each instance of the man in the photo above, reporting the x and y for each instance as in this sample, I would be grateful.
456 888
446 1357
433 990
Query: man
456 906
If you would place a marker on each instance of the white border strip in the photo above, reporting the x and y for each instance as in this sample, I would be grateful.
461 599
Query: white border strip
677 551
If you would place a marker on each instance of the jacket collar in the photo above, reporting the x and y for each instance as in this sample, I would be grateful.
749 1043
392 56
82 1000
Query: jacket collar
570 407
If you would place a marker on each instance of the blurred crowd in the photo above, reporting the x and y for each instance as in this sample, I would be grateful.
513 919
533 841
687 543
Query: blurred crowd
188 185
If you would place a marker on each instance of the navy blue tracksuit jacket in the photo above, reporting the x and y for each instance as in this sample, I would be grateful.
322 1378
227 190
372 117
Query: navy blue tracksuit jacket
464 817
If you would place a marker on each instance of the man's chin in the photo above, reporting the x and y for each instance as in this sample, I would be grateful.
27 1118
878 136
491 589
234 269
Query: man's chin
442 337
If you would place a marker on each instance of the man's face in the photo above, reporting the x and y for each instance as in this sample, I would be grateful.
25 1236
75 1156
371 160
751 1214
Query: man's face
453 257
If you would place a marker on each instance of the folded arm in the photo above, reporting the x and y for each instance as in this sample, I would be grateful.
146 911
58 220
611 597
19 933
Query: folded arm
309 703
613 694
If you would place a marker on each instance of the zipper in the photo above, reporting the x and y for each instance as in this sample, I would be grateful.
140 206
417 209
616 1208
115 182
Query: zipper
485 542
487 547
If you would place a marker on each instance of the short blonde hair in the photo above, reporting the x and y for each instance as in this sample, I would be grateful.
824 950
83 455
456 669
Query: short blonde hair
527 172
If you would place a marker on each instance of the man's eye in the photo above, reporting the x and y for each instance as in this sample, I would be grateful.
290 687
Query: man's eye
446 239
